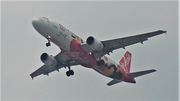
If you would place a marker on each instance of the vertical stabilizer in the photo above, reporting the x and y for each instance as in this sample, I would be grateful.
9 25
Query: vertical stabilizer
125 61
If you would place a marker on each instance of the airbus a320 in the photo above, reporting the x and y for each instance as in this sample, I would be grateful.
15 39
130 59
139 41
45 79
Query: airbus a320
90 53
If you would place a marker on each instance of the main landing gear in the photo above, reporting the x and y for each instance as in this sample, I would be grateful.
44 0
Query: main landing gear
100 62
70 72
48 38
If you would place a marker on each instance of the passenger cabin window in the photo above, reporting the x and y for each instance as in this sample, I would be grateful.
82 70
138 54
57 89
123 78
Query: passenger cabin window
56 25
76 37
46 19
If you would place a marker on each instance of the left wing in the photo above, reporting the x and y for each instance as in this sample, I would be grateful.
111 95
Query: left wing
62 62
110 45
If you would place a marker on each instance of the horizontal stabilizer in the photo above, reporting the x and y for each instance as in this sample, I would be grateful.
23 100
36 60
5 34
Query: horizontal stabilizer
113 82
137 74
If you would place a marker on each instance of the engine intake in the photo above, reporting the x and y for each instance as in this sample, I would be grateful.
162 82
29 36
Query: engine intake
48 60
90 40
94 44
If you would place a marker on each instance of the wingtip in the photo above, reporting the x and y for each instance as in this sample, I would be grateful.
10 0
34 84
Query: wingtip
153 70
32 77
163 31
108 85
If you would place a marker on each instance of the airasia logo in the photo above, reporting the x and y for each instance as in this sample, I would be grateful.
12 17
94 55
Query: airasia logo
62 28
125 62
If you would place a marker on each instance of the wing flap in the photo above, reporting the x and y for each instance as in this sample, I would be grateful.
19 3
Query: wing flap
42 70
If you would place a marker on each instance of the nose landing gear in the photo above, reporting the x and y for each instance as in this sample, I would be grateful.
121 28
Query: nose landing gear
49 40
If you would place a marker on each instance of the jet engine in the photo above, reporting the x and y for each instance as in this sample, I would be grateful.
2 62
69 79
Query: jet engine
48 60
94 44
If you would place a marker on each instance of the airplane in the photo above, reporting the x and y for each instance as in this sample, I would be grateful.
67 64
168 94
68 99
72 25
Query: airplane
90 53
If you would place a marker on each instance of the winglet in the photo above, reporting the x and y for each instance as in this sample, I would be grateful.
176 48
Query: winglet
31 76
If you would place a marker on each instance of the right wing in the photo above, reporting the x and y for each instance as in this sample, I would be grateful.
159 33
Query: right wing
110 45
113 44
62 62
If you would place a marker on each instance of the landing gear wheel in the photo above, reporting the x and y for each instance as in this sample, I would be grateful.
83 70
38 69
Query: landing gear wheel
71 72
68 73
48 44
100 63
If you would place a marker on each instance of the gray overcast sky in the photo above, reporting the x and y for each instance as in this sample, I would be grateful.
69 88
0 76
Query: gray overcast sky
22 47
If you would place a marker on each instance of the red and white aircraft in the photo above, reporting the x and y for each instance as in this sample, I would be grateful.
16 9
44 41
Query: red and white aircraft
90 54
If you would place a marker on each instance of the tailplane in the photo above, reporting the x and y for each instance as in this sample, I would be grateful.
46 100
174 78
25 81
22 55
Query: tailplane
140 73
132 75
125 61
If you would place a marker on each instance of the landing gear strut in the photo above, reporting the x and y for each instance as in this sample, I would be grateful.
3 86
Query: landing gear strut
48 38
70 72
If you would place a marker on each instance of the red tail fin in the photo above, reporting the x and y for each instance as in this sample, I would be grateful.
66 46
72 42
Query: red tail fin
125 61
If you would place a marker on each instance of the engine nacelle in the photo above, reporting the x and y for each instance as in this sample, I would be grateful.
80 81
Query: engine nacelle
94 44
48 60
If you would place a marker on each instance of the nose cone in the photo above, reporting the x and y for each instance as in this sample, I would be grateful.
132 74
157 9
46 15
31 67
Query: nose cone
35 22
